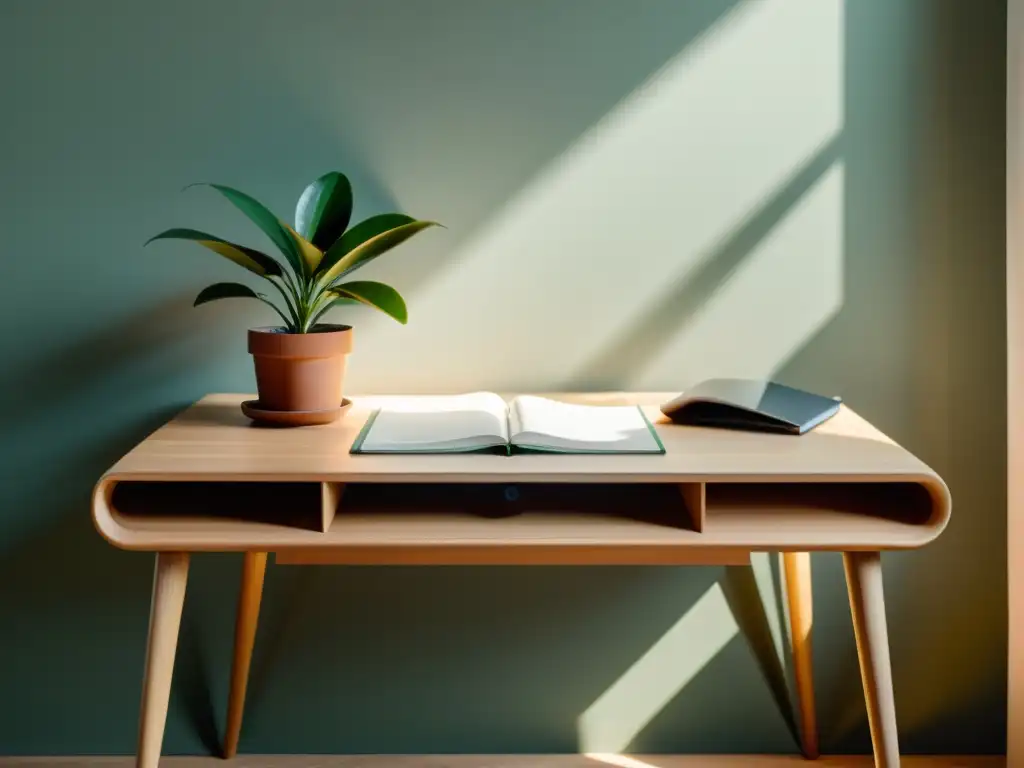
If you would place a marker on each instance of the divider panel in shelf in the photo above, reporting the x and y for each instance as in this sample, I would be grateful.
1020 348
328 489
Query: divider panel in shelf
330 499
695 499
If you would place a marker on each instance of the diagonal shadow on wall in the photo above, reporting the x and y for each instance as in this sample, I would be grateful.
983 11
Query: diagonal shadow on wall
74 408
581 58
647 335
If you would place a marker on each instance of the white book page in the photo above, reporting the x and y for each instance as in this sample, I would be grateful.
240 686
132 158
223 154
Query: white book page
446 422
543 423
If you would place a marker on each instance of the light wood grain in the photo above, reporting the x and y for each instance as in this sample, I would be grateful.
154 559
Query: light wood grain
254 568
843 460
213 440
799 596
169 579
500 761
791 516
507 555
867 607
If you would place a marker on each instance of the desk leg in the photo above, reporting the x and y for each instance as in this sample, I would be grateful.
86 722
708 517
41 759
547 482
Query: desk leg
253 569
169 579
867 606
797 566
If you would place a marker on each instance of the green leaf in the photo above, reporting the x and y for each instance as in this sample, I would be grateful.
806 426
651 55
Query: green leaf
225 291
376 295
263 218
360 233
239 291
311 255
253 260
324 210
368 240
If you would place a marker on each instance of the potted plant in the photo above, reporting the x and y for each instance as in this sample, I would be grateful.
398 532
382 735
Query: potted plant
300 365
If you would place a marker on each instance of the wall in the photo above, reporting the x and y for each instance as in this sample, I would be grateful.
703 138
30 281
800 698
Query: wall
637 195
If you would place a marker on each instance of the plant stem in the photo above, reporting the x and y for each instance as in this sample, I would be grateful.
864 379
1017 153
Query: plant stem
303 309
317 309
288 302
309 301
290 281
273 306
307 321
320 313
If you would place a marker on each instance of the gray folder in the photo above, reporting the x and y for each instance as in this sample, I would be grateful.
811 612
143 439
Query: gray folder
751 404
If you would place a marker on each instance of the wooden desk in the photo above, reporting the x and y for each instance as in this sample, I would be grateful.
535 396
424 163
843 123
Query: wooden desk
210 481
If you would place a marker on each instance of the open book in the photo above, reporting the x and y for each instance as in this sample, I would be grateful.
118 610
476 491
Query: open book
482 421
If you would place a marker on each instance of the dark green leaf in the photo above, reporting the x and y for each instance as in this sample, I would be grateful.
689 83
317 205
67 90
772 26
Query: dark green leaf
366 241
324 210
225 291
253 260
359 234
376 295
262 217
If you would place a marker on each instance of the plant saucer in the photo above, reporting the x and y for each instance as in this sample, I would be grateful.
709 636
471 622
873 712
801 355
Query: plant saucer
252 409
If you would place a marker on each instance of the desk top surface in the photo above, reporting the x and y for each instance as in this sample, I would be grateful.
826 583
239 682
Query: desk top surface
843 486
213 440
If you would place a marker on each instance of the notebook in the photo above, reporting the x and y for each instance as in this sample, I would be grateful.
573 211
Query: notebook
751 404
483 421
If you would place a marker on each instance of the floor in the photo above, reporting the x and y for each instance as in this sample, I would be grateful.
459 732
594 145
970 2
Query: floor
499 761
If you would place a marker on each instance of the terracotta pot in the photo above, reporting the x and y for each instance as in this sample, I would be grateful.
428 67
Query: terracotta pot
300 371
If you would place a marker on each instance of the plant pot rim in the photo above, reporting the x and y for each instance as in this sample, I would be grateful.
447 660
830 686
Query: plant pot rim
319 328
324 341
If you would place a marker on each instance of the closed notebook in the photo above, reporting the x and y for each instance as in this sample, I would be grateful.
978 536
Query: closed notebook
483 421
751 404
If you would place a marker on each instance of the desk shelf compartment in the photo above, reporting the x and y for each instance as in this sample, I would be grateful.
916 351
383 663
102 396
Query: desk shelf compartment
146 509
402 522
542 523
460 523
825 515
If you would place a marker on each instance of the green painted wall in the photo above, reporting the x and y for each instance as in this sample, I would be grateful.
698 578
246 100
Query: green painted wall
637 194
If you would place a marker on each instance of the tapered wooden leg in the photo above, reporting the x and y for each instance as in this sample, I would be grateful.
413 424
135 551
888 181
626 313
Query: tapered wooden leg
867 606
253 568
797 566
169 579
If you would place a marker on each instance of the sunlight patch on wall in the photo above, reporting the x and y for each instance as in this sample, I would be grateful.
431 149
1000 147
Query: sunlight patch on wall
643 197
778 298
615 718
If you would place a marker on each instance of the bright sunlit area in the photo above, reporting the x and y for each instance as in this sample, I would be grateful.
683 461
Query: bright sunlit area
610 724
669 243
619 715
